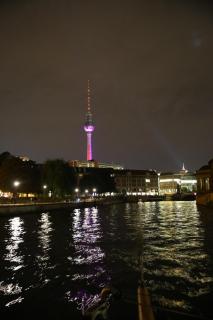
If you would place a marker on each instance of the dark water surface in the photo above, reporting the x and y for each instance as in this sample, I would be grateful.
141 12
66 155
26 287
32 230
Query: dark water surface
51 262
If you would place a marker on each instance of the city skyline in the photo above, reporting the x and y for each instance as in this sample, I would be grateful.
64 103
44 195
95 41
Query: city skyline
149 63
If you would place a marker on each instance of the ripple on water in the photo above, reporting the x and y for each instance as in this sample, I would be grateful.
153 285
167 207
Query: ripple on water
176 266
71 256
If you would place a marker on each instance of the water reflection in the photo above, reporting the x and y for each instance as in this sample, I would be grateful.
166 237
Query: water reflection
43 257
176 263
66 258
89 257
86 233
16 232
14 260
44 232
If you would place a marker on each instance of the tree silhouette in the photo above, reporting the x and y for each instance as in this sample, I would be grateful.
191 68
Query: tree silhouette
56 174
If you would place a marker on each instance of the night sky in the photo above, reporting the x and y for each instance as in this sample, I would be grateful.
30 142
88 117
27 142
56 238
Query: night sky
150 64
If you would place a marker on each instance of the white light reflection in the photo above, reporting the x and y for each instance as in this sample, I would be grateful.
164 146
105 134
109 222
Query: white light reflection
44 232
14 257
85 234
9 289
174 254
18 300
88 255
16 232
44 238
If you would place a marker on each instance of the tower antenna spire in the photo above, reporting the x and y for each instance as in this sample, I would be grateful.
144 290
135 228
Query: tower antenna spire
88 96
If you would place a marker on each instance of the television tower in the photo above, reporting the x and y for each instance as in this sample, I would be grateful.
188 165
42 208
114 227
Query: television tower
89 127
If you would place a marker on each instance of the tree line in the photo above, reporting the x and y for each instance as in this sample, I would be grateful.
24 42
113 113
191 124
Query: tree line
55 174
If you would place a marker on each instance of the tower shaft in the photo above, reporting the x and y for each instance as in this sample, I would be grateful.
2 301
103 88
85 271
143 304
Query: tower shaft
89 146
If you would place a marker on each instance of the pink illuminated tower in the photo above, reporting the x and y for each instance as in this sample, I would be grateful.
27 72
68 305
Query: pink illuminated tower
89 127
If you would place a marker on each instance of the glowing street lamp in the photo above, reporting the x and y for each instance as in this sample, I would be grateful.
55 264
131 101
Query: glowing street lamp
16 183
77 191
44 188
94 192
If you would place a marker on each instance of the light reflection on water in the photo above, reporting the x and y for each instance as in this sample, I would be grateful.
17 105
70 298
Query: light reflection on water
86 233
16 230
44 244
176 265
13 258
68 258
44 233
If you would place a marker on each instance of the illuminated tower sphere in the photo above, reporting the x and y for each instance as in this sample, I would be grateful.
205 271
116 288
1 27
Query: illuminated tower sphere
89 127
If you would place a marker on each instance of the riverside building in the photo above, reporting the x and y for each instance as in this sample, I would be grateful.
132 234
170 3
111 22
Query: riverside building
205 184
94 164
182 182
136 182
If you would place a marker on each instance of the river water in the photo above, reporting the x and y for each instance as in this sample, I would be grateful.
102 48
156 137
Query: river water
53 263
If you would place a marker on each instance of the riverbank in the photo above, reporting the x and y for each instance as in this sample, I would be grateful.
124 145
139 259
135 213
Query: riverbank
43 206
20 208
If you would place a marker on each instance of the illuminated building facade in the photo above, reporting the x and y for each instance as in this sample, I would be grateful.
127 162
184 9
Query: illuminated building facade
24 158
89 126
94 164
205 184
171 183
136 182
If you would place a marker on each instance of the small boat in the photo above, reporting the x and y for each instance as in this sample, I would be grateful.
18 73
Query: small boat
145 310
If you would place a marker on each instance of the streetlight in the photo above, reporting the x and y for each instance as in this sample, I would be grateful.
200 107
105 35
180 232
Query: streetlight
94 191
16 184
45 188
77 191
86 191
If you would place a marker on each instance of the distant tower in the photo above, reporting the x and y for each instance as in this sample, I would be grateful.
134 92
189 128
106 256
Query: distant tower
89 127
183 170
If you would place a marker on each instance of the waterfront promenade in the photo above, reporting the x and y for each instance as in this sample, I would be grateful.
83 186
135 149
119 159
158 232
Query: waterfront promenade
39 205
17 206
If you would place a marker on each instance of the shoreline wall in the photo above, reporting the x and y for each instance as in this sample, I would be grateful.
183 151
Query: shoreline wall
13 209
205 199
21 208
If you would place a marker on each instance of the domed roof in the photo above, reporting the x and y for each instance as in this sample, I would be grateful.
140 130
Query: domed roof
206 167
